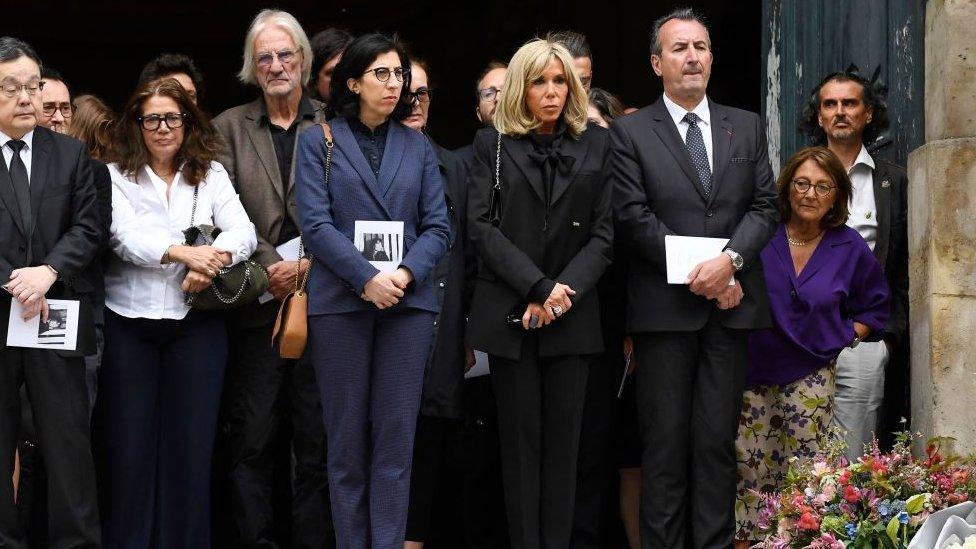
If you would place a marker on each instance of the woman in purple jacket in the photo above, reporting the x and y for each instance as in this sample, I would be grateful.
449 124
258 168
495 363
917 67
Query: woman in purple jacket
826 292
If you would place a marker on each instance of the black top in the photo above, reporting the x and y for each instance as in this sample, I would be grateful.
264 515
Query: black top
371 142
284 145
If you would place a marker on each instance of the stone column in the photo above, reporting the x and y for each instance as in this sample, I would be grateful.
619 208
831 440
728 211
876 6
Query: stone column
942 231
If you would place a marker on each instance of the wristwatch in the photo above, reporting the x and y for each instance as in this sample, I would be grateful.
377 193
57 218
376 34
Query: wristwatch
737 261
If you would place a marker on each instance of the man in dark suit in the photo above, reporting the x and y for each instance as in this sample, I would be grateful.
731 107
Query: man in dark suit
50 225
847 113
688 166
271 405
486 91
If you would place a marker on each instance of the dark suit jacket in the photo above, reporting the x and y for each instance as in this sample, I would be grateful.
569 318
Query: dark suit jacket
466 154
891 247
452 275
249 157
409 189
95 272
66 233
518 254
657 192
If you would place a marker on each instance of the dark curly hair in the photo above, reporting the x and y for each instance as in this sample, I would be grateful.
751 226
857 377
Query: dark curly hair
200 141
874 96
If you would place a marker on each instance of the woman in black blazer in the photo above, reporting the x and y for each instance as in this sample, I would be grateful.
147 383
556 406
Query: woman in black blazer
543 238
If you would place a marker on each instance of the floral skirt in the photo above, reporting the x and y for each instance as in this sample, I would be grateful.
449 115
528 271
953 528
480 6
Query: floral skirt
778 423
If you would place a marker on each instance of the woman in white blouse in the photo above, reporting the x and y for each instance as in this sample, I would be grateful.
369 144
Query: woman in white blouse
161 379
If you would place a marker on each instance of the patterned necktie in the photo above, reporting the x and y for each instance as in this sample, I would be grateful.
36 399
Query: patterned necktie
696 147
21 184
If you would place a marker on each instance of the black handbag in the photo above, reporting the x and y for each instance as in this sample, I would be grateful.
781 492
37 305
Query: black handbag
495 200
232 286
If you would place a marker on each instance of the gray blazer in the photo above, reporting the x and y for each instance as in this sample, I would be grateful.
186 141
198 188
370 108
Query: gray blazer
248 155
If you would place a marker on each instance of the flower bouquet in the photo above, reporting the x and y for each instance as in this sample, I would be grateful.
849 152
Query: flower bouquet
879 501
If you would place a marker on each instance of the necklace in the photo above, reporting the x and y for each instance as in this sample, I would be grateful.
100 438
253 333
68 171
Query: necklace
801 242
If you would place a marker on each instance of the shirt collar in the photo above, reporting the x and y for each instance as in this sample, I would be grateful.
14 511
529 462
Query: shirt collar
28 138
357 126
863 158
305 110
678 112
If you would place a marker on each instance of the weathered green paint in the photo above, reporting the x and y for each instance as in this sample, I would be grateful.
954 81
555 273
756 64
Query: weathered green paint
804 40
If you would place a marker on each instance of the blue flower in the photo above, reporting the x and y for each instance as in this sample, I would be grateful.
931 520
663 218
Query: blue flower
851 530
903 517
884 510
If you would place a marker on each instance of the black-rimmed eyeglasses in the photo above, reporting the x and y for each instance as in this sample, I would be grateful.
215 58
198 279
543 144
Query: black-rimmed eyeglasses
383 73
802 186
151 122
50 108
422 95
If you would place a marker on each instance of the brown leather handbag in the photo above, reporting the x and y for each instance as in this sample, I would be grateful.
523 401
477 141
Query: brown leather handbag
291 327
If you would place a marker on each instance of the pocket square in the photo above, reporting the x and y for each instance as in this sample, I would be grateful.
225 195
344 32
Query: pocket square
740 160
885 184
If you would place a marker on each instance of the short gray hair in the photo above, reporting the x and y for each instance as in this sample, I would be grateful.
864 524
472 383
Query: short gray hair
683 14
288 23
12 49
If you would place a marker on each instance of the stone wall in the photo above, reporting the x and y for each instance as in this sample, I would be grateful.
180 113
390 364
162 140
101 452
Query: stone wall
942 231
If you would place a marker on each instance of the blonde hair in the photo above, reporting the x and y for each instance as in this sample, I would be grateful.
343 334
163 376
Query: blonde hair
512 116
286 22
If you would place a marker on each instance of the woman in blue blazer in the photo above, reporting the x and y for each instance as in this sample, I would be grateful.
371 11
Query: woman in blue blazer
370 332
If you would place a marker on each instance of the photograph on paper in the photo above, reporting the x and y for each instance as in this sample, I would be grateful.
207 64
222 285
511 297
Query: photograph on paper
381 243
59 331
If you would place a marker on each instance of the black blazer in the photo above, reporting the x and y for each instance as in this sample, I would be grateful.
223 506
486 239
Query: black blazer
518 254
657 193
453 277
66 232
95 272
891 247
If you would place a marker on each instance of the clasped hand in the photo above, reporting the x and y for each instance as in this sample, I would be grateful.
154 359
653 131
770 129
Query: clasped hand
385 289
29 285
710 278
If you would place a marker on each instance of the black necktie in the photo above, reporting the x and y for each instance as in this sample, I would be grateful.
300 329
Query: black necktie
21 184
696 147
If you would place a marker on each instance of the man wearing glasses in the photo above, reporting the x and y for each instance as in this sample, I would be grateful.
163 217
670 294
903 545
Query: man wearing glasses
55 102
489 84
271 405
50 228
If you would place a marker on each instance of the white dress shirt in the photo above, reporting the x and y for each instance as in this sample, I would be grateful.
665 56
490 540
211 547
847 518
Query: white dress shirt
145 222
678 113
25 153
863 211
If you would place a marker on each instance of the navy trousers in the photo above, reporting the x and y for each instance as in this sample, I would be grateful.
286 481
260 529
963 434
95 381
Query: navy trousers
155 422
369 366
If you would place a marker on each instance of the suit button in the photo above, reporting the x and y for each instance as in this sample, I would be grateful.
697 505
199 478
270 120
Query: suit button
442 284
709 213
435 323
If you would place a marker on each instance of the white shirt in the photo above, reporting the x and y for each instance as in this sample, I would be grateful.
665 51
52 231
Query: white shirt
678 113
145 223
863 210
25 153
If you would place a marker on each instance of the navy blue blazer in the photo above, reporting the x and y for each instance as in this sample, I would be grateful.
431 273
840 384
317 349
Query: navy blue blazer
409 189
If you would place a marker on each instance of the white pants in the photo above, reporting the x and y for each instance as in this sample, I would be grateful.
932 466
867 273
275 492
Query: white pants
860 390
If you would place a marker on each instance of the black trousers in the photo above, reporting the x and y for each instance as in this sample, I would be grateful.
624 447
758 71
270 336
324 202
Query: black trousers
272 408
595 470
429 447
58 396
689 394
540 410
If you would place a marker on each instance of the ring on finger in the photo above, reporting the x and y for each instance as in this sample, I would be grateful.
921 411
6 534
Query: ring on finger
557 310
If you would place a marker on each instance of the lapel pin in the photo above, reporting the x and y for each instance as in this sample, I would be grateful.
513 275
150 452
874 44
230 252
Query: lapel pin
576 223
728 131
885 183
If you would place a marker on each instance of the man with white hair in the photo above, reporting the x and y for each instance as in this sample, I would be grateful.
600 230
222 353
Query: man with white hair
262 389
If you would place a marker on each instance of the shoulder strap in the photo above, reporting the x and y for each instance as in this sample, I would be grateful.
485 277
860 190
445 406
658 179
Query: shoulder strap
327 132
498 162
193 211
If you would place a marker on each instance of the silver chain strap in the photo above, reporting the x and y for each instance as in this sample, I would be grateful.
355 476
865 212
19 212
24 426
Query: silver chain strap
498 163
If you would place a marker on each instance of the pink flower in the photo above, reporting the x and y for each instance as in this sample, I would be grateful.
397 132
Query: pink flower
845 476
852 494
830 491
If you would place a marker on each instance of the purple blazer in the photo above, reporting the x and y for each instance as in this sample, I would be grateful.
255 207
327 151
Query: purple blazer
814 313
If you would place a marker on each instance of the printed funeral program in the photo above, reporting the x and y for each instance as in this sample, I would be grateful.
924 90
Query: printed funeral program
381 243
684 253
59 332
